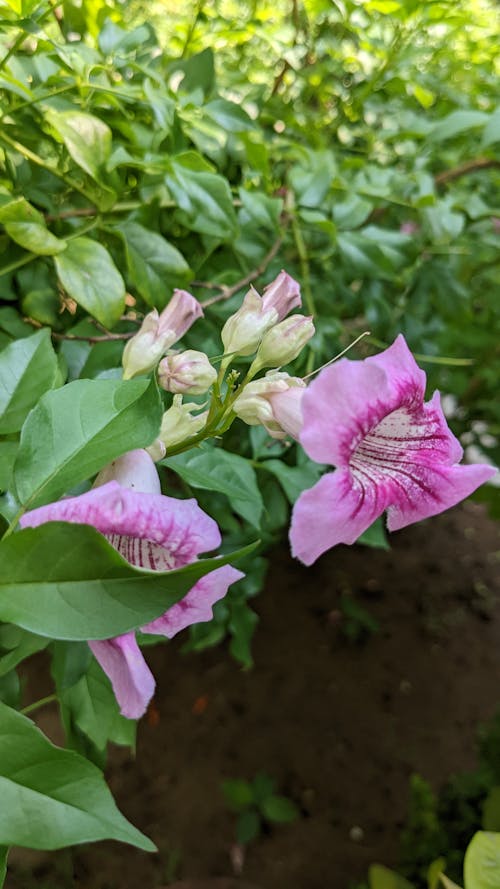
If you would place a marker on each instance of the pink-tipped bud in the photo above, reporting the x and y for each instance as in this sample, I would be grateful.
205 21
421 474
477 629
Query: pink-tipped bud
260 404
282 294
287 410
283 342
134 470
188 372
244 330
178 424
158 332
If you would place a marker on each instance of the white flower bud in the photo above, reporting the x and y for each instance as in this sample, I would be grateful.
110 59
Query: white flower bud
256 404
283 343
178 424
188 372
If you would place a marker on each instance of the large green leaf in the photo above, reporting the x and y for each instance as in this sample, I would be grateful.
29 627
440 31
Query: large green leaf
51 797
205 198
90 277
87 138
155 266
74 431
65 581
26 226
218 470
28 368
482 861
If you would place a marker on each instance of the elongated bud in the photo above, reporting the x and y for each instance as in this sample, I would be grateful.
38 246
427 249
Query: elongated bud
158 332
178 424
134 470
283 343
259 404
244 330
282 294
188 372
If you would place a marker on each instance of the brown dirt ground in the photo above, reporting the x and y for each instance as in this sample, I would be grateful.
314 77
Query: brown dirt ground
340 726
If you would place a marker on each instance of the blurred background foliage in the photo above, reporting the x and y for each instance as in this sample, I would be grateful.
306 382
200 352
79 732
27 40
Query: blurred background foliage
209 144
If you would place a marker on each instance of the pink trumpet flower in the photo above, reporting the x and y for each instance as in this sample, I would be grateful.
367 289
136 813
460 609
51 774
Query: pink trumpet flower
392 450
151 531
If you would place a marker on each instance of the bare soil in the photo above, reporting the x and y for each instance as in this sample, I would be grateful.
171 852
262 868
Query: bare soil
340 726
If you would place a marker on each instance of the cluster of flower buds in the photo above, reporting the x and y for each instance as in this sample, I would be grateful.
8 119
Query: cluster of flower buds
262 327
243 332
273 402
158 333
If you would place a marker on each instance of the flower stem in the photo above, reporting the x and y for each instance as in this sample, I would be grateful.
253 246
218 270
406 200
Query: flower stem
37 704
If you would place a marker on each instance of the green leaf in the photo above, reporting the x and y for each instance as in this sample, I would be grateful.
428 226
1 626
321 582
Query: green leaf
435 872
279 809
491 810
74 431
4 851
87 138
247 827
242 624
482 861
155 266
238 793
382 878
26 226
229 116
16 645
52 797
90 277
293 479
375 536
8 451
457 122
28 368
218 470
65 581
95 711
492 130
205 199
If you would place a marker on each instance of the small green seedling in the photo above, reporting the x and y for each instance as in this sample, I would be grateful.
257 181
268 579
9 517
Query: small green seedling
257 804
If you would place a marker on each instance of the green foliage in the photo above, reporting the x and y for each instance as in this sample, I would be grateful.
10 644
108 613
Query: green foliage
257 804
355 143
47 572
40 808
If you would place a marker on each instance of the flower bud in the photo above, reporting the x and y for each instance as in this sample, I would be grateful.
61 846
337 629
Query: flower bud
244 330
134 470
284 342
287 410
158 332
178 425
260 404
186 372
282 294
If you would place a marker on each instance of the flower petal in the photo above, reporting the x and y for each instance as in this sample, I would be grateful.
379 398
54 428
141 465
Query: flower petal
336 510
349 398
448 486
178 525
196 606
132 681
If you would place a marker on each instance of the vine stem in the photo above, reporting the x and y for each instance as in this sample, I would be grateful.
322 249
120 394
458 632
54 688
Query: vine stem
227 292
37 704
